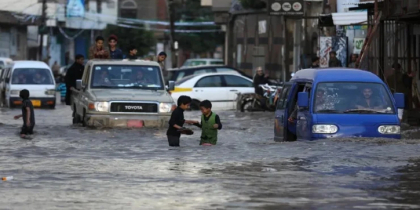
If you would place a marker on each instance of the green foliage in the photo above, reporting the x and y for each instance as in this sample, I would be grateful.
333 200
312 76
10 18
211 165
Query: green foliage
253 4
142 39
190 11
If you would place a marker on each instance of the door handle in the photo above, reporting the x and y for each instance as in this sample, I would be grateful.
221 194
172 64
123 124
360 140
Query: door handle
233 90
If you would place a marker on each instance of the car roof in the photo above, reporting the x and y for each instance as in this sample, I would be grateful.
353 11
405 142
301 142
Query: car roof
198 67
30 64
199 76
122 62
335 74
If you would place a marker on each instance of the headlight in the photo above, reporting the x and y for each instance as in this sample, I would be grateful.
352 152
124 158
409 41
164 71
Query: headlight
389 129
102 106
324 129
50 92
166 107
14 92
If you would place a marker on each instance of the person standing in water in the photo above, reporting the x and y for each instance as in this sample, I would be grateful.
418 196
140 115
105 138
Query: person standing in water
210 124
27 115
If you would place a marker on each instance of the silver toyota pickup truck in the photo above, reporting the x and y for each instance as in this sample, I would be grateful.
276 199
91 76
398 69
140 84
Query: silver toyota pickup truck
122 94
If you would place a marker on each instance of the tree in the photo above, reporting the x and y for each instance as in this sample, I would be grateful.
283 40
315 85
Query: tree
192 11
143 40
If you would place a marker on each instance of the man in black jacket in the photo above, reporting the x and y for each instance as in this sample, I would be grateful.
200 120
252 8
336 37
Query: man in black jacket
260 79
75 72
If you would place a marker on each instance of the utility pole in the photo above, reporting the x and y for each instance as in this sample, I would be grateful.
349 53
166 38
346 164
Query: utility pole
172 25
42 28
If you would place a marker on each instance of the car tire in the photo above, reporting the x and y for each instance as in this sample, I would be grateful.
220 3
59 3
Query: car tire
52 106
76 119
245 105
195 105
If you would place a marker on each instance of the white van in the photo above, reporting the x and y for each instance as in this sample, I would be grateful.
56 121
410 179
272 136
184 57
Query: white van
35 76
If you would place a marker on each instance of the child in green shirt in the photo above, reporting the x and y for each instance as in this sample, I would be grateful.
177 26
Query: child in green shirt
210 124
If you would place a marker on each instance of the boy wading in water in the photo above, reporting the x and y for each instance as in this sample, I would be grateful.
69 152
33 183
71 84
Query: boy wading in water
177 121
27 115
210 124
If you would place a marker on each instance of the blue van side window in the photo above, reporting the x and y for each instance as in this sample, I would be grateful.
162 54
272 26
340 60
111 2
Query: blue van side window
283 98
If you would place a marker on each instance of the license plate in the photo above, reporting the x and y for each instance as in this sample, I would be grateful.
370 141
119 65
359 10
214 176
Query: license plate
36 103
135 123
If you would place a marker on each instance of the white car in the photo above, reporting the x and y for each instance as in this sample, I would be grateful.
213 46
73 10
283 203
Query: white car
35 76
220 88
202 62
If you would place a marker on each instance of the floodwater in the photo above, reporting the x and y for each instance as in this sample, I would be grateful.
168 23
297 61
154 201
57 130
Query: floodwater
71 167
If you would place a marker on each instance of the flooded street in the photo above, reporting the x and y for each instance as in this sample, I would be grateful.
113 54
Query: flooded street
71 167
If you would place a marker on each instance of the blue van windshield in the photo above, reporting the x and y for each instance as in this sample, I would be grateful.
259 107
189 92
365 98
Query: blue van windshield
349 97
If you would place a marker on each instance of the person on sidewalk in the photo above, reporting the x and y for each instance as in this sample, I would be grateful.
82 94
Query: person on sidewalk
334 62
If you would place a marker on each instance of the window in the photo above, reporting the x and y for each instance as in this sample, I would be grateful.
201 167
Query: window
235 81
352 98
180 75
216 63
221 70
32 76
210 81
128 9
127 77
202 71
283 98
196 63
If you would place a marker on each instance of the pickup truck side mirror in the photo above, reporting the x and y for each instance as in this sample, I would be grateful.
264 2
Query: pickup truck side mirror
303 100
79 85
399 100
171 86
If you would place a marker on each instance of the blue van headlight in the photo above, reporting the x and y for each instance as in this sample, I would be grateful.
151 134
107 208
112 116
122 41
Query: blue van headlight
389 129
324 129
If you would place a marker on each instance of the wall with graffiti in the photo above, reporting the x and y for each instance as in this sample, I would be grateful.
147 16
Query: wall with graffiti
332 43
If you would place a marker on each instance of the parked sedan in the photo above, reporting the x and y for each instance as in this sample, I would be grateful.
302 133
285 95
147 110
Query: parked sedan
221 89
177 74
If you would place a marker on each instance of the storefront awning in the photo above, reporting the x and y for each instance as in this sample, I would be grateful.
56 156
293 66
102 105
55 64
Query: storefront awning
350 18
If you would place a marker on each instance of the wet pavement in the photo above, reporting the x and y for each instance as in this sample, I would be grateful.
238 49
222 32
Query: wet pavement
71 167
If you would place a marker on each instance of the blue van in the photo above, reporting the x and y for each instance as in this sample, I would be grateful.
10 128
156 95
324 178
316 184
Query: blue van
336 103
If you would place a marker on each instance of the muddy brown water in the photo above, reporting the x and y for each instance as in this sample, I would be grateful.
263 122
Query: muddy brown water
71 167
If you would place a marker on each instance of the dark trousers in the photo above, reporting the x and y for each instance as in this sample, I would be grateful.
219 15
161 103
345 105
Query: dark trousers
27 130
173 141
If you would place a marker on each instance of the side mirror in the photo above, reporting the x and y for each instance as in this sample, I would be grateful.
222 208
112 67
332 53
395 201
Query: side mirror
79 85
303 100
7 80
399 100
171 86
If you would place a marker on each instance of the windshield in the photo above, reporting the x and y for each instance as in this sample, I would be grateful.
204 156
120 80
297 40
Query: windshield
179 82
32 76
127 76
346 97
195 63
